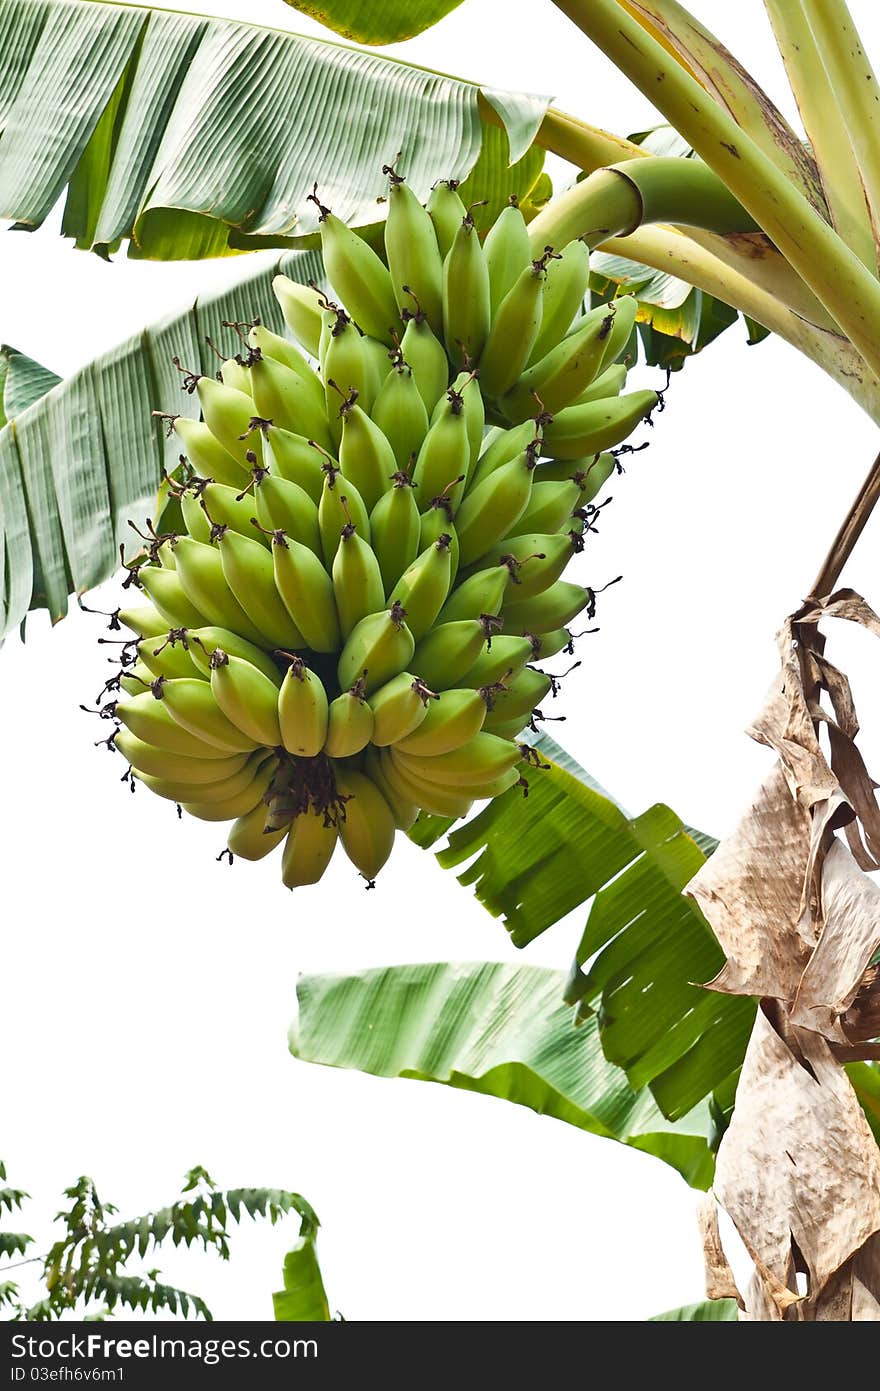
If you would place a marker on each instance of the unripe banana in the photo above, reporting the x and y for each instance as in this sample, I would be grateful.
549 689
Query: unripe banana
550 507
446 211
399 707
292 457
414 260
349 366
263 340
285 506
539 560
395 528
300 305
179 767
403 811
506 445
195 520
221 505
467 311
366 826
450 721
242 802
307 593
493 507
228 415
341 505
170 657
302 711
431 797
207 454
482 759
449 651
149 720
568 282
207 793
514 330
192 705
365 454
507 656
165 555
548 644
427 358
349 724
308 849
561 375
524 692
443 461
360 278
423 587
436 523
400 414
234 373
556 607
609 382
143 619
482 593
507 252
203 641
591 474
167 593
289 400
474 411
357 580
598 425
248 837
249 570
200 571
135 679
246 697
379 647
624 322
510 730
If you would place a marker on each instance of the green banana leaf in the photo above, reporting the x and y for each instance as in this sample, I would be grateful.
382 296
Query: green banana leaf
83 459
493 1028
195 136
22 381
711 1311
376 21
303 1298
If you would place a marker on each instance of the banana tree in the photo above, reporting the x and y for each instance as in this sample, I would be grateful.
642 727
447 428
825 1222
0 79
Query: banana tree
744 213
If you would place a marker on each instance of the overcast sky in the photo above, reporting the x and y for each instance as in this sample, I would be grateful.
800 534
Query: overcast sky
148 990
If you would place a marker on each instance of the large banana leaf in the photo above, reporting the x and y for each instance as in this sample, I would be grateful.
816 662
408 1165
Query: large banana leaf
196 136
493 1028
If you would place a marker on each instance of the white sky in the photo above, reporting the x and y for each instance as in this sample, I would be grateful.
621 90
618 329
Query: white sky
148 991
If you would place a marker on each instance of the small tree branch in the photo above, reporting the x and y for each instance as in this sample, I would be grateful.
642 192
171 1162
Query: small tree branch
850 530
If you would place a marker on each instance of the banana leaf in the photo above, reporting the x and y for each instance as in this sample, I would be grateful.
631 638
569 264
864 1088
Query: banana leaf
194 136
376 21
22 381
303 1298
498 1029
711 1311
83 459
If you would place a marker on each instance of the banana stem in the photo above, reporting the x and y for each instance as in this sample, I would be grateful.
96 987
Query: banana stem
825 125
850 530
829 267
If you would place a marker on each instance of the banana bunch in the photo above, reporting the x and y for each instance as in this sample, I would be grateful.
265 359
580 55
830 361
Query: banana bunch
376 521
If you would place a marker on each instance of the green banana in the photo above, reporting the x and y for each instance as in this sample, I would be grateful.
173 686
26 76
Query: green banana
249 570
166 590
466 386
493 507
221 505
379 647
307 593
609 382
206 793
292 457
160 763
262 340
409 788
341 505
228 414
302 711
365 454
568 369
395 528
231 808
246 697
624 322
466 297
357 580
450 721
554 608
168 658
449 651
248 837
598 425
446 211
550 507
427 358
403 811
282 505
506 445
290 401
208 455
234 373
350 366
349 724
193 706
423 587
522 695
483 593
548 644
194 516
308 849
507 252
149 720
482 759
507 656
366 826
359 276
200 570
568 282
203 641
414 260
399 412
300 305
399 707
539 560
514 329
143 619
436 523
443 461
